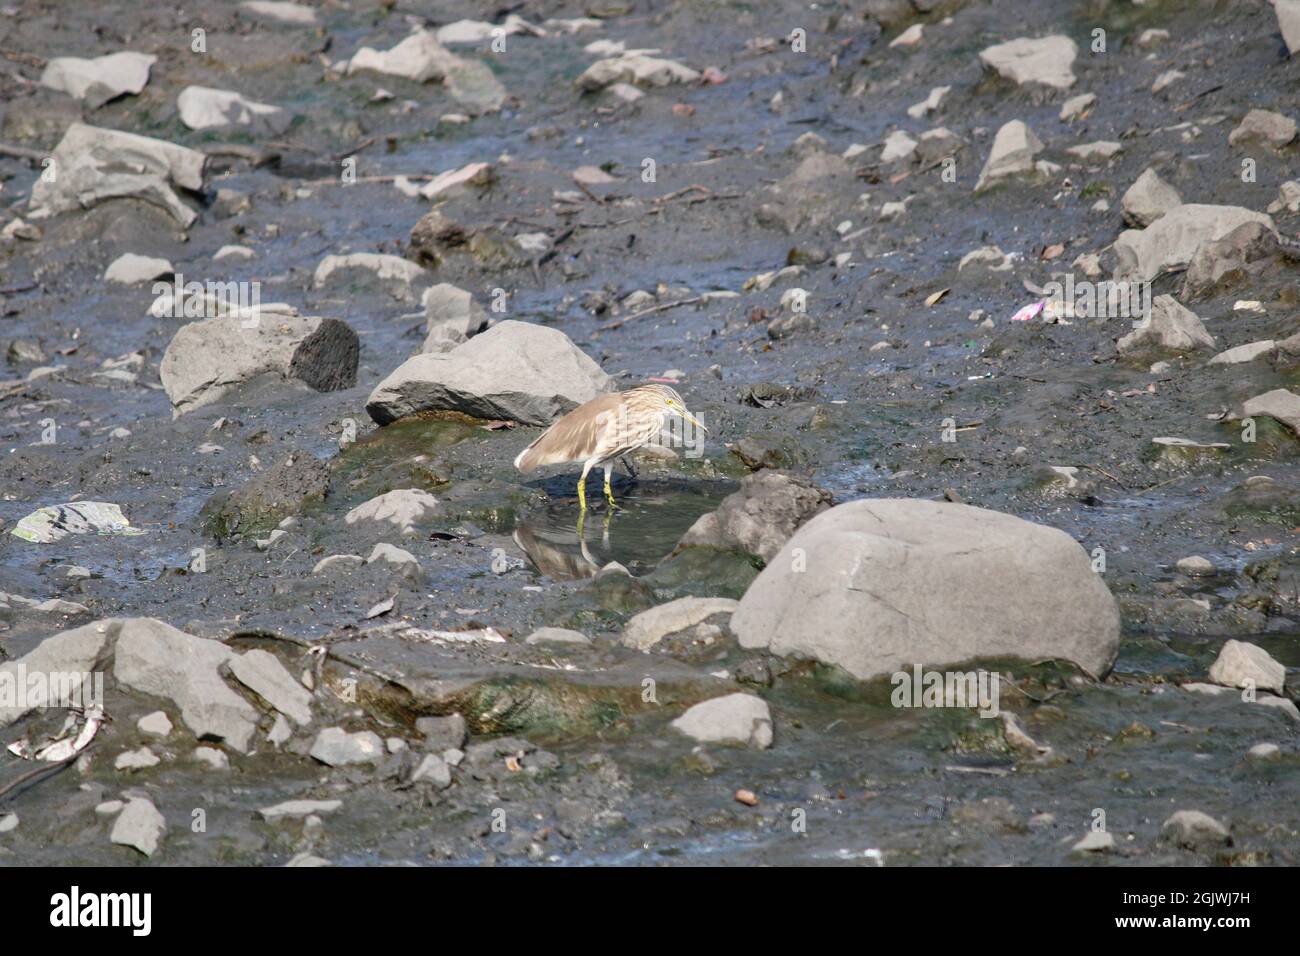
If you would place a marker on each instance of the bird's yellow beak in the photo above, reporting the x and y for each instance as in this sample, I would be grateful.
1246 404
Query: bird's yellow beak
695 421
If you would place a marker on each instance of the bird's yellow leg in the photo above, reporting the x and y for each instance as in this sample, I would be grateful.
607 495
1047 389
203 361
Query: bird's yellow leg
609 492
582 487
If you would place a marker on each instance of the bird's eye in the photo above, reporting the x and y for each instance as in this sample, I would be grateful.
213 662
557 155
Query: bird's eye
668 400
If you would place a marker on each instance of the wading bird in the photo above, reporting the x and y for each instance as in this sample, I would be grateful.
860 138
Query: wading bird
604 429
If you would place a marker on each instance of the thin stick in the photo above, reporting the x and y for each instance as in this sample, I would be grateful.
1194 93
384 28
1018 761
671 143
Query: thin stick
651 311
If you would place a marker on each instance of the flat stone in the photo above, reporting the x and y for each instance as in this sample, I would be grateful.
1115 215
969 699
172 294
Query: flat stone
556 635
211 756
337 748
1047 60
297 809
648 628
1077 105
442 733
140 759
139 825
98 80
262 672
157 724
130 268
1095 841
733 719
203 108
1280 403
402 510
338 562
1244 353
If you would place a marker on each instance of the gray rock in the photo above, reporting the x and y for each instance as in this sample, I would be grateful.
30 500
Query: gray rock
1195 830
156 724
136 759
1264 126
1280 703
1244 353
96 165
1265 752
648 628
419 58
139 826
1232 260
401 510
1280 403
453 317
1076 106
1047 60
280 731
1012 154
434 770
1170 327
636 68
515 371
1172 240
335 747
733 719
261 671
760 517
8 822
130 268
557 635
1242 665
297 809
211 756
399 560
1195 566
208 360
1149 198
155 658
281 11
1288 20
1095 841
204 108
98 80
338 562
442 733
75 652
857 587
401 274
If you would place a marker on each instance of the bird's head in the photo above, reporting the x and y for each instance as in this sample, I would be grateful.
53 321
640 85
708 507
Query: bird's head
672 404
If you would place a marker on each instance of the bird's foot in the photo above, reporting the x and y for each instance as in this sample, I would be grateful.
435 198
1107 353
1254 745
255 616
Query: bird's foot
609 497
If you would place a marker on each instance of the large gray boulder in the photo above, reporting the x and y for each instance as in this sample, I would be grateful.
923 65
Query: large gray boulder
761 516
879 585
515 371
1280 403
1172 240
209 359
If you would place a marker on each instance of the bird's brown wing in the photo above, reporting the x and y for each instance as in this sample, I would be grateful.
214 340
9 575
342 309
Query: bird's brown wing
579 435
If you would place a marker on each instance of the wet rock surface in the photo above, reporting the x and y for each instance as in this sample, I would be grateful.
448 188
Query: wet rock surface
804 291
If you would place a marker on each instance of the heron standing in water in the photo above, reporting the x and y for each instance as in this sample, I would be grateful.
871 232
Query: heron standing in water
604 429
